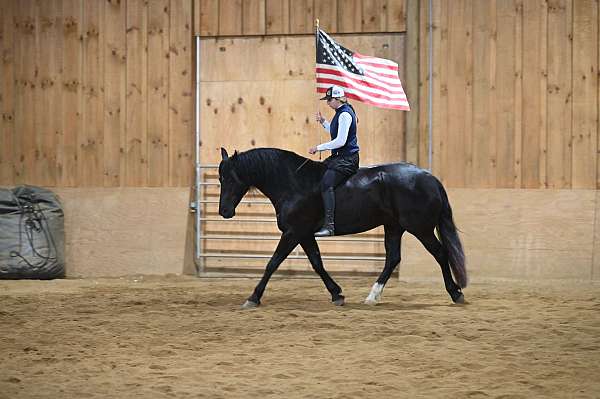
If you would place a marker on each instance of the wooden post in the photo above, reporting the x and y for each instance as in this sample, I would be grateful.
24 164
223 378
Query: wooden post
411 83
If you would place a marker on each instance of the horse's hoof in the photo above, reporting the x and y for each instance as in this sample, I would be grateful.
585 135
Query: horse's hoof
370 302
460 300
249 305
339 302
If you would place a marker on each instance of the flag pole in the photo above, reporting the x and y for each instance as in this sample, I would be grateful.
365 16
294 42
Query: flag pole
316 49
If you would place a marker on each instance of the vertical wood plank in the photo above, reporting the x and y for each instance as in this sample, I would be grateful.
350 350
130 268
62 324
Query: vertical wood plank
72 93
326 12
115 74
458 150
507 92
518 107
483 168
253 18
91 141
374 15
559 93
278 17
398 15
469 65
411 83
34 173
585 93
441 71
180 95
158 90
534 94
301 16
349 16
136 149
48 123
424 81
206 20
196 18
7 94
230 17
595 272
37 173
26 82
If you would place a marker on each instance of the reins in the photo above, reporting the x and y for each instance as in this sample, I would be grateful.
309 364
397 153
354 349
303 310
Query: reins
303 163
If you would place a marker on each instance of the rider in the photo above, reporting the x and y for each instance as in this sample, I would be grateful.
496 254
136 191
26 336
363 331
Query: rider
343 161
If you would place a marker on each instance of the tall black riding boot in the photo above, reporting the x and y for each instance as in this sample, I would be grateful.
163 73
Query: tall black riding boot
328 228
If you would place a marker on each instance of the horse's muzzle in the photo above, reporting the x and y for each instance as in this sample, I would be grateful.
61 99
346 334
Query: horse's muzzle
227 213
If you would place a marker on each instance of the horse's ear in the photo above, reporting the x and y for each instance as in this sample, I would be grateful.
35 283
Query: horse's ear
224 154
235 153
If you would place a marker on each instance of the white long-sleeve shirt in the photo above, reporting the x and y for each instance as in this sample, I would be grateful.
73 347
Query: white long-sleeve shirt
344 122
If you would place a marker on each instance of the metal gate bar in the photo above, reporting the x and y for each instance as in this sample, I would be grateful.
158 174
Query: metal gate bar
277 238
324 257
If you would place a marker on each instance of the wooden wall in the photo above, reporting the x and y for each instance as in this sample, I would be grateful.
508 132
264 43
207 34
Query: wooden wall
120 231
283 17
100 93
96 93
515 93
271 101
523 234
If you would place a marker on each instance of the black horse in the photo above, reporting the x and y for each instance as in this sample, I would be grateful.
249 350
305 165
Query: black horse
401 197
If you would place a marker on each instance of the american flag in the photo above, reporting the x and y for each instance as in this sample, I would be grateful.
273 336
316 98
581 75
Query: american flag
367 79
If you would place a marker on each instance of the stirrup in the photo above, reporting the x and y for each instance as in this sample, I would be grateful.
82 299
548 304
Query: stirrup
326 231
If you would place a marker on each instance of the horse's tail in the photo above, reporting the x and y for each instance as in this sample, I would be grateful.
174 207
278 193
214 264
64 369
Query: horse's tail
450 240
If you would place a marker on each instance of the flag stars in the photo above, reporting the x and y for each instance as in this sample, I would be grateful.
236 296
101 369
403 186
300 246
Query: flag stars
330 52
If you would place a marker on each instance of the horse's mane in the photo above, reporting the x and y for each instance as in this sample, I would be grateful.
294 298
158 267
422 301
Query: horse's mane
262 165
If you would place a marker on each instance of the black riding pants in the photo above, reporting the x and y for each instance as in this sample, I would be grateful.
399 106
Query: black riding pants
339 168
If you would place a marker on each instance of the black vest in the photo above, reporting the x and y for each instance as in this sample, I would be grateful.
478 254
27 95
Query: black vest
351 145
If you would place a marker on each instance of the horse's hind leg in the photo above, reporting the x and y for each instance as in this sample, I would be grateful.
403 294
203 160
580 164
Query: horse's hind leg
393 237
285 246
311 249
435 248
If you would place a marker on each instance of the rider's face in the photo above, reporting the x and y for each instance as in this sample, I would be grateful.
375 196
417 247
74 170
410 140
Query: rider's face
334 103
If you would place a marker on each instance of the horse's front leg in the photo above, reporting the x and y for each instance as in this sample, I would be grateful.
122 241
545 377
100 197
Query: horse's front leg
286 244
310 247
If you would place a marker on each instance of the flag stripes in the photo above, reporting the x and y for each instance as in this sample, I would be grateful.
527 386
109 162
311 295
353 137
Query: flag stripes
364 78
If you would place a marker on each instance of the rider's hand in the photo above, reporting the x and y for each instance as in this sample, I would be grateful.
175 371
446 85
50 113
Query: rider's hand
312 150
319 117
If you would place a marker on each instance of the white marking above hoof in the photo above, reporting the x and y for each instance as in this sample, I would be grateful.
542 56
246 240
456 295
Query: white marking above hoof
339 302
249 305
375 294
